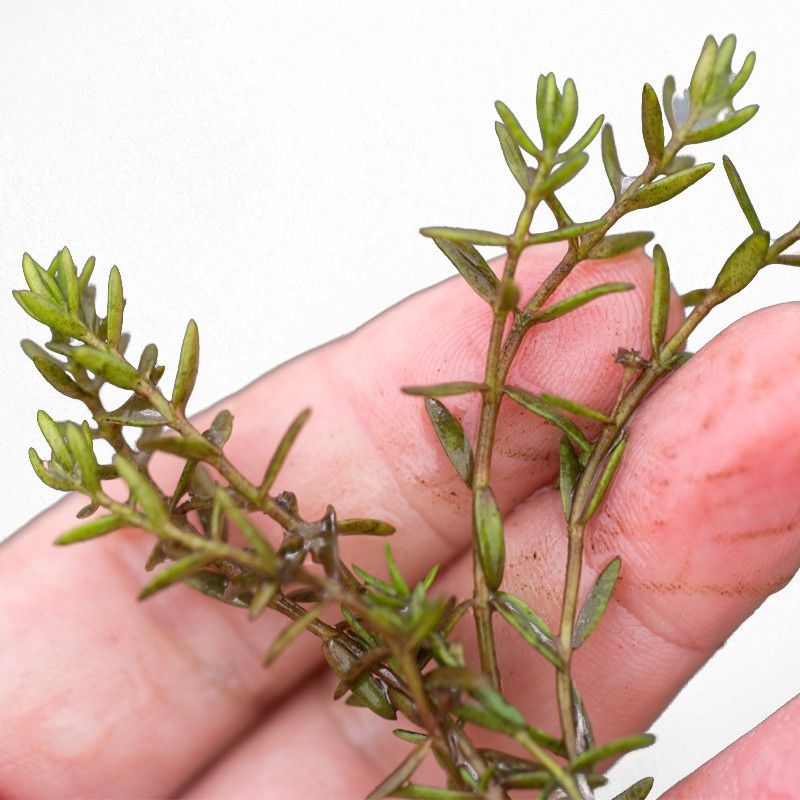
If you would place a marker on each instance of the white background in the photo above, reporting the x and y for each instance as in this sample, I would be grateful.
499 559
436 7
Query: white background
264 167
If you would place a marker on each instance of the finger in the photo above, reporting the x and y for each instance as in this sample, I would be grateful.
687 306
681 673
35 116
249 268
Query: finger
357 453
762 763
693 539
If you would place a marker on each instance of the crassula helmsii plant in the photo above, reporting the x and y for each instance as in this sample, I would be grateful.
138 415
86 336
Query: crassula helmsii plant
396 644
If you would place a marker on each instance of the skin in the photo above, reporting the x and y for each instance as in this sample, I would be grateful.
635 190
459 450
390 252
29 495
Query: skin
103 697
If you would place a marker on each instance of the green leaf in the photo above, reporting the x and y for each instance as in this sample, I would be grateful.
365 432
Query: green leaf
550 413
254 537
86 274
725 126
738 82
564 232
530 625
511 153
445 389
608 151
196 447
703 72
212 584
41 282
262 598
187 367
742 265
666 188
576 301
596 601
452 438
48 313
80 444
667 97
616 244
547 99
652 125
565 173
605 477
569 472
516 130
290 633
59 379
694 297
111 368
638 791
489 535
741 195
92 529
616 748
393 782
584 140
364 527
220 429
575 408
659 313
568 111
143 490
62 483
466 236
415 791
279 456
68 276
472 266
114 309
398 581
175 572
55 438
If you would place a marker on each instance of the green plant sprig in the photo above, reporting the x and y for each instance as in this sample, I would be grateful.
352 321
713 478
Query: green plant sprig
392 646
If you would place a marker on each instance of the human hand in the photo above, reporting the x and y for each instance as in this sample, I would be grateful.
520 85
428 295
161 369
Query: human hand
169 699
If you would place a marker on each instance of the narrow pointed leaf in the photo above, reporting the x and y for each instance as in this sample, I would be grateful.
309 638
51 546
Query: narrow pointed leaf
364 527
616 244
516 130
659 313
596 601
694 297
568 111
569 472
92 529
84 456
149 498
741 195
290 633
605 478
86 274
584 140
284 446
485 719
240 519
114 308
742 265
187 366
59 379
416 791
69 282
111 368
50 478
262 598
530 625
393 782
576 408
725 126
565 173
48 313
41 282
445 389
616 748
666 188
638 791
701 77
55 438
611 160
472 267
571 231
466 236
490 537
398 581
175 572
513 156
667 96
197 447
452 438
550 413
737 84
577 300
652 124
